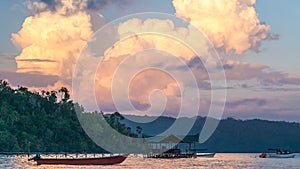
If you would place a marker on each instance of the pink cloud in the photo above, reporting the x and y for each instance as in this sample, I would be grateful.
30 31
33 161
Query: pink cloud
236 70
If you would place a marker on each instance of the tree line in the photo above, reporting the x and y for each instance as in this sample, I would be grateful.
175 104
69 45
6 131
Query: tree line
45 121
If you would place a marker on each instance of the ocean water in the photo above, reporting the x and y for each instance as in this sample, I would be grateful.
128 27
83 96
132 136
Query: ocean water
221 160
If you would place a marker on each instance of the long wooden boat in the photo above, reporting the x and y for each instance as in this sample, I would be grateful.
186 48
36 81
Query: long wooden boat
111 160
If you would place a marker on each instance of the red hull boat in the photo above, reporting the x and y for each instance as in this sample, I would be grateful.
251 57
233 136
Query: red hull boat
80 161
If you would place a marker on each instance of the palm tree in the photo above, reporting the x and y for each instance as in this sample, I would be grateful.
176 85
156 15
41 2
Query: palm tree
65 94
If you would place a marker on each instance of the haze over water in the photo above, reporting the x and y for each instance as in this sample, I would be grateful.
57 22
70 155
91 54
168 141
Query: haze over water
221 160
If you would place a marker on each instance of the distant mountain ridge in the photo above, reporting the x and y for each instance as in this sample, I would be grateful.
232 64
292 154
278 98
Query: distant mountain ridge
230 136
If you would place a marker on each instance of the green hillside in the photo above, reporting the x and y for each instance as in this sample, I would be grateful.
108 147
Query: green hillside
46 121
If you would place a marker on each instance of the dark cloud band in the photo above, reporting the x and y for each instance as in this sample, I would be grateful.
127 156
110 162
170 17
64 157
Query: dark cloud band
91 4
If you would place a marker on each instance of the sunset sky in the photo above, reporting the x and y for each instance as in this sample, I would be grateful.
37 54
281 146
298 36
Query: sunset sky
256 40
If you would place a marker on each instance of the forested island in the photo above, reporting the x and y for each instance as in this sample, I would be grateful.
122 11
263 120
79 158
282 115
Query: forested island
231 135
46 121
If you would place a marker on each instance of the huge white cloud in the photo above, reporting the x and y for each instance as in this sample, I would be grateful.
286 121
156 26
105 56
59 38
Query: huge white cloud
232 25
51 41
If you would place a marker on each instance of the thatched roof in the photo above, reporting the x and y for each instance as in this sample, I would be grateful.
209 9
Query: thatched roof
174 139
171 139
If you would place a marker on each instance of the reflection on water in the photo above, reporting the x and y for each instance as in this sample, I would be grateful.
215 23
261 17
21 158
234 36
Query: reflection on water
219 161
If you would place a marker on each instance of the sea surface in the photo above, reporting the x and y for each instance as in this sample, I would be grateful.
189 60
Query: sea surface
221 160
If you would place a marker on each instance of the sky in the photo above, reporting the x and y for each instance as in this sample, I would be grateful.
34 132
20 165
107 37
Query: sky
158 64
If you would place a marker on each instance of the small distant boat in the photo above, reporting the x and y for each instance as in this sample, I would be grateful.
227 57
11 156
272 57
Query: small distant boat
279 154
111 160
205 154
202 153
